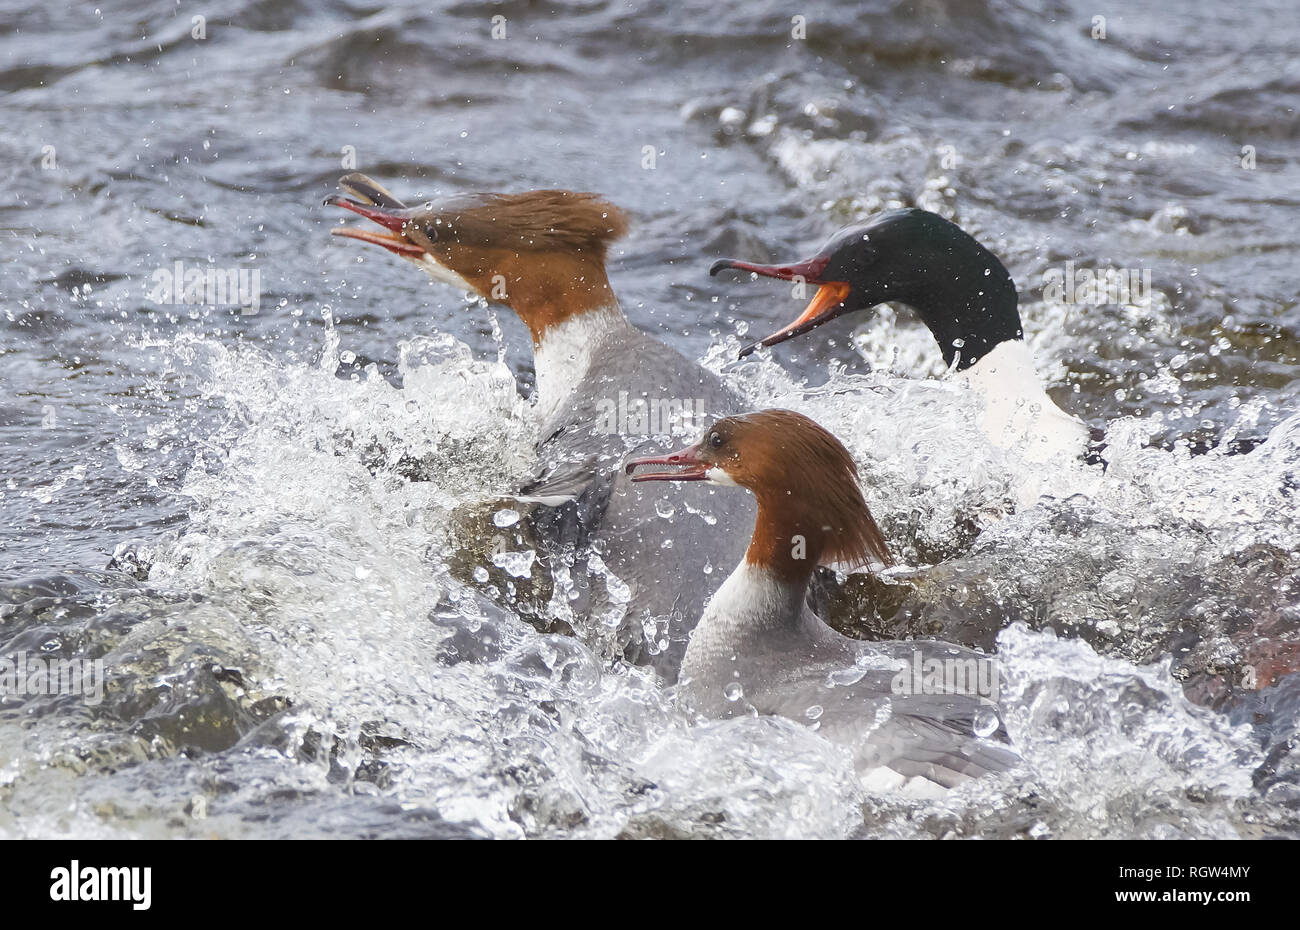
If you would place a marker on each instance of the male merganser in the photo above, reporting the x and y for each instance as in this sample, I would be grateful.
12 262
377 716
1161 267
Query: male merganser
758 648
542 254
966 298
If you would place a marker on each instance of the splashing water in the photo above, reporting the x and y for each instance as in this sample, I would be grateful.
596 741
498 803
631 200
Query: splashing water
302 659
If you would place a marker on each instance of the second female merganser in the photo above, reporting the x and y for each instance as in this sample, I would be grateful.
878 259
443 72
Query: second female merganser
966 298
758 648
605 389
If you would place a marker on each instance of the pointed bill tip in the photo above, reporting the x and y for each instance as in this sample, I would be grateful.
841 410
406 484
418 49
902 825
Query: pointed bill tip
369 191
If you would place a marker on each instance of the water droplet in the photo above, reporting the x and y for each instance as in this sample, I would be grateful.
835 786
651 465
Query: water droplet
619 592
516 564
843 677
1117 586
481 575
733 691
506 517
814 712
985 723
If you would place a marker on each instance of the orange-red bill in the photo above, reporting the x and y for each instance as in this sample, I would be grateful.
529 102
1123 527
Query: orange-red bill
821 308
392 220
394 242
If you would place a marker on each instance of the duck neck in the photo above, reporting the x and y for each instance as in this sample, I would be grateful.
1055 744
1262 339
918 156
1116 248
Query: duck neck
549 290
788 541
563 355
565 300
970 307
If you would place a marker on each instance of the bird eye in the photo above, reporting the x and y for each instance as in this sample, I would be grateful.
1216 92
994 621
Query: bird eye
715 440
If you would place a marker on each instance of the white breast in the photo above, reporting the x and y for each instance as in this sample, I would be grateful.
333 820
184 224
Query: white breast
565 353
750 607
1018 415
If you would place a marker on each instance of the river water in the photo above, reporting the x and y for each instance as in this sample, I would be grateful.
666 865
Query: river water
285 647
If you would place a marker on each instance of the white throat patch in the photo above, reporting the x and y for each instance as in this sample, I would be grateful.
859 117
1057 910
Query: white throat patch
429 265
717 475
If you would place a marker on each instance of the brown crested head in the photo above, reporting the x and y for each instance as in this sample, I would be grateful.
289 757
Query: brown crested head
541 253
811 509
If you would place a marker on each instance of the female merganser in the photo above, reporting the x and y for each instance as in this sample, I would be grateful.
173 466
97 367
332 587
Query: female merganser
758 648
604 389
966 298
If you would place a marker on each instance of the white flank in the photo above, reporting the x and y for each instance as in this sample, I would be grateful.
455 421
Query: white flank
886 781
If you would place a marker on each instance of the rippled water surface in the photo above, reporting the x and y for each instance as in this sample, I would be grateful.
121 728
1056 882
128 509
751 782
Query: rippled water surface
289 645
